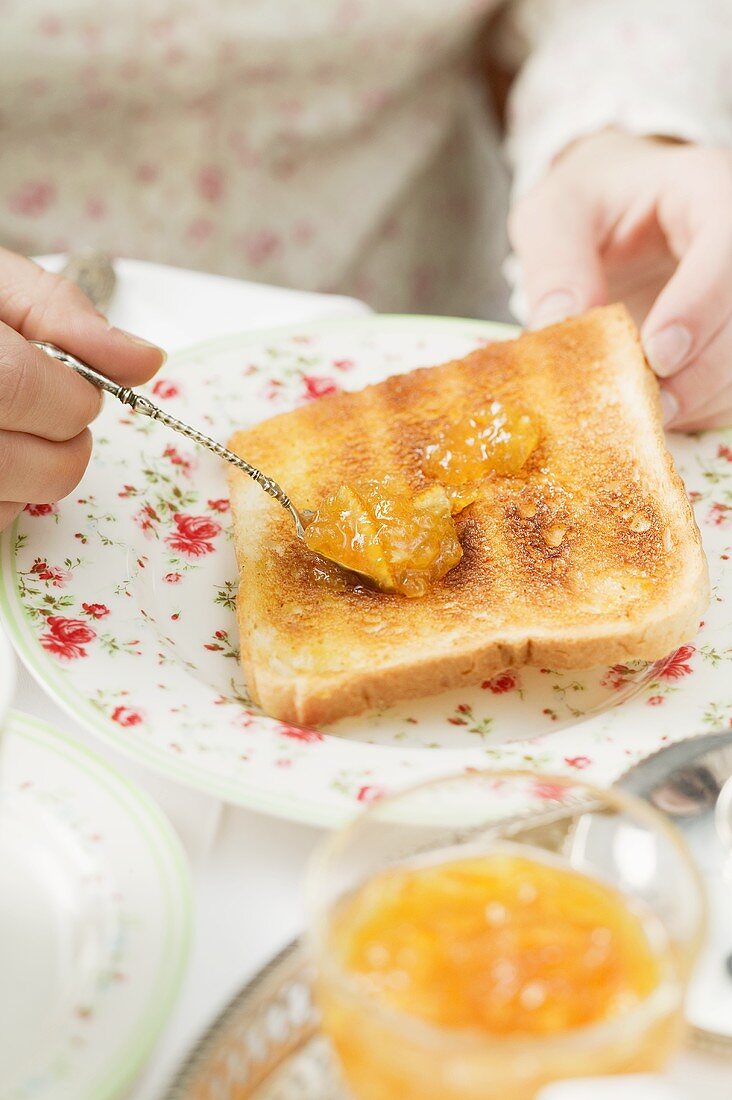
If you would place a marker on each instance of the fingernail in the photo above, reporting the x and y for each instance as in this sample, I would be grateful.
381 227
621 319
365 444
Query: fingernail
666 350
669 406
135 339
101 405
554 307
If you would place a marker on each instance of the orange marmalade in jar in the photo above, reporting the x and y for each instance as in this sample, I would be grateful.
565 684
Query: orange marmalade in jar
522 953
480 936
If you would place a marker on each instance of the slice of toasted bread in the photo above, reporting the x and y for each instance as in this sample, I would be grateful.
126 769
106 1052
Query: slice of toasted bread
592 556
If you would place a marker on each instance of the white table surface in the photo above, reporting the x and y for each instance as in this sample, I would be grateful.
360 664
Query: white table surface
247 868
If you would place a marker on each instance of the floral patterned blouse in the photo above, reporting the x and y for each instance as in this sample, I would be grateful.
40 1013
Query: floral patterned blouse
328 144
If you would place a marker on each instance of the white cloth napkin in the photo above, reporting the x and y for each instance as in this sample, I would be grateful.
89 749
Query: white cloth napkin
175 308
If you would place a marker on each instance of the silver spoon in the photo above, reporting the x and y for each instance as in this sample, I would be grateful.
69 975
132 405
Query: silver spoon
686 779
141 404
691 782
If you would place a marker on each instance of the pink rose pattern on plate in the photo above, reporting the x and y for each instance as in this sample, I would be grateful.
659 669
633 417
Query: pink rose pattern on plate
123 599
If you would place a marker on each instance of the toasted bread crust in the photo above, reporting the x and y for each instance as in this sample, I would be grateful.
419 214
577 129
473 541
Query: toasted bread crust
627 578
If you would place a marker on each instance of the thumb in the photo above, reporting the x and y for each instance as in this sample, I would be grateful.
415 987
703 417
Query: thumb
42 306
555 242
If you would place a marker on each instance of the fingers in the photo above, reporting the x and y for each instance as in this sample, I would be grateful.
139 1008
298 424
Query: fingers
714 413
698 391
8 512
44 406
39 395
714 419
43 306
693 306
555 240
695 212
37 470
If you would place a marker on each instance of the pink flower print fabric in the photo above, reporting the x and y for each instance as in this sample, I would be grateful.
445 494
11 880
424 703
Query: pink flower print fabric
341 145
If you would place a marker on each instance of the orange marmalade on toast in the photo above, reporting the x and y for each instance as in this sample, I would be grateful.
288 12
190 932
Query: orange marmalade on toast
495 440
405 543
402 543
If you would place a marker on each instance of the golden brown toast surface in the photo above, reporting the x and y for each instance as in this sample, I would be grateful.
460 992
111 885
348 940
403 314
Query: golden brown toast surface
590 556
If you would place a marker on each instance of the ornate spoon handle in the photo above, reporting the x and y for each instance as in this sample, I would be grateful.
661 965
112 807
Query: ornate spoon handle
141 404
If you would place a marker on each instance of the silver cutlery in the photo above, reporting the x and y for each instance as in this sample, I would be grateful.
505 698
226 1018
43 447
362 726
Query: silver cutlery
93 271
687 779
691 782
145 407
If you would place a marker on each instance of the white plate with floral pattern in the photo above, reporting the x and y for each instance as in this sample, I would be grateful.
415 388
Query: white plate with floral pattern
121 603
95 915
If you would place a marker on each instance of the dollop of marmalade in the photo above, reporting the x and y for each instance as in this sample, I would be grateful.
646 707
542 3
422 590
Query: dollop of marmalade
495 440
402 543
405 543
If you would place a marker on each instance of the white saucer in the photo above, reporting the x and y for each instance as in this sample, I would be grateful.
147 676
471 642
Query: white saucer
94 920
7 675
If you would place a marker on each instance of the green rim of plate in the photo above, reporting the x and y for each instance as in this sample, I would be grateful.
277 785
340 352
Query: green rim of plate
51 678
174 875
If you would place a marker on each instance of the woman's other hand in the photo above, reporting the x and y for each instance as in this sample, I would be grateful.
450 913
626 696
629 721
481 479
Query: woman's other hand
647 222
45 408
